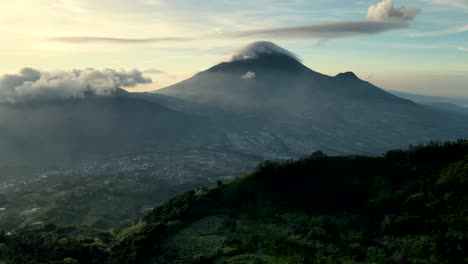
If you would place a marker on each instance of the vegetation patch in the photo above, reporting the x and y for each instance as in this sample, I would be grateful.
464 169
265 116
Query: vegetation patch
407 206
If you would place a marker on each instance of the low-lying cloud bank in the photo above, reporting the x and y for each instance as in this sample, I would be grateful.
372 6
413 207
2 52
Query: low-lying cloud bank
30 84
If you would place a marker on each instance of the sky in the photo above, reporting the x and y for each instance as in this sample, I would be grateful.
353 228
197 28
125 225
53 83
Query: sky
418 46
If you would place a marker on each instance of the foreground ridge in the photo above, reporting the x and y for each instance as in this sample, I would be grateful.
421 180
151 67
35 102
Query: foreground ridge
407 206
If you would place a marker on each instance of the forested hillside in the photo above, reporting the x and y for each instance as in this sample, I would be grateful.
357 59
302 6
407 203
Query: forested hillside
407 206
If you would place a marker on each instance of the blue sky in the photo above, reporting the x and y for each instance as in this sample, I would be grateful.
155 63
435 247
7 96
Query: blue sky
423 48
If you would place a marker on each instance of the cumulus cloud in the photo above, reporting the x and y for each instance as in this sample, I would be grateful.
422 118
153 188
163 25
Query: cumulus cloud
127 79
256 49
249 75
381 17
31 84
386 12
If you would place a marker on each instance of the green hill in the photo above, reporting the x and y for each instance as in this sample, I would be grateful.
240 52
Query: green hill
404 207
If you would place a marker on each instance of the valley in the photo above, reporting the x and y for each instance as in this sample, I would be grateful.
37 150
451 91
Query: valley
92 191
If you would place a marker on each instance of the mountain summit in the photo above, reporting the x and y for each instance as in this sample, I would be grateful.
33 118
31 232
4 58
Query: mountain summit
262 58
347 76
262 48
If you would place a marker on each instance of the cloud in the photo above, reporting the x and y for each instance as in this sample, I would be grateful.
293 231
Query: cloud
463 28
249 76
386 12
457 3
126 79
326 30
31 84
383 16
255 49
380 18
87 39
154 71
463 49
440 32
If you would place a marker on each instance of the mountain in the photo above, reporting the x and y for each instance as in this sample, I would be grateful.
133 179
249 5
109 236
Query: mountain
407 206
454 108
451 104
77 160
264 103
303 110
77 128
261 78
421 98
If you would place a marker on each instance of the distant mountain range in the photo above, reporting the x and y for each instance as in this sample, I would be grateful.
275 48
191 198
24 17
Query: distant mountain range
421 98
263 103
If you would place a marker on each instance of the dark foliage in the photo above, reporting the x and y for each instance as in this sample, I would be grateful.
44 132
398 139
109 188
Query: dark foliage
408 206
51 244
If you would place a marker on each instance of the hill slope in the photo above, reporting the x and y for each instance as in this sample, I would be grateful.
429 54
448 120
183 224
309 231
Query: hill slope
78 160
96 124
404 207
